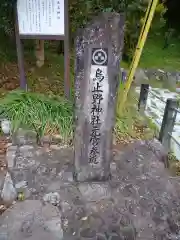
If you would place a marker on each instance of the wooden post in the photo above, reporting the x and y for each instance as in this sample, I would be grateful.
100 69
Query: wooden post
143 97
20 56
67 56
55 28
39 53
168 122
123 76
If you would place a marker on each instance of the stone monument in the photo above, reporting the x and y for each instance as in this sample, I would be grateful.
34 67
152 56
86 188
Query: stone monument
98 54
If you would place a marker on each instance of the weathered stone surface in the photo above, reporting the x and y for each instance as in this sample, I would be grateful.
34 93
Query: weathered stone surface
46 140
26 137
159 150
8 193
31 220
26 149
53 198
66 173
140 77
39 168
55 147
22 188
140 201
95 191
21 185
145 182
143 199
5 126
56 139
2 178
169 79
105 32
25 157
123 74
11 155
52 139
154 74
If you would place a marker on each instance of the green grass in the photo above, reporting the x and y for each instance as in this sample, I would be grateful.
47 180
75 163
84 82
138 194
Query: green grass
130 124
124 64
47 115
48 80
154 56
164 84
174 165
7 49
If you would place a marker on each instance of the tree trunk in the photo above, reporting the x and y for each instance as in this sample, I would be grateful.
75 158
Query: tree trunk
60 49
39 53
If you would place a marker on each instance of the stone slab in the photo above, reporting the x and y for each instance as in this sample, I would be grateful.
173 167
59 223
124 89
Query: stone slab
140 201
31 220
11 155
96 83
95 191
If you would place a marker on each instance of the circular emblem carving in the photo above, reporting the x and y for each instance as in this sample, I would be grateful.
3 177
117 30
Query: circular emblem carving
99 57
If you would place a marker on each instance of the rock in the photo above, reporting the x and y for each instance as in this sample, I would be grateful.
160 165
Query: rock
91 164
56 139
46 140
160 70
152 74
2 178
8 193
159 150
26 148
10 156
33 220
169 80
27 151
95 191
21 185
6 126
55 147
88 234
24 194
66 174
140 77
24 137
53 198
140 201
25 159
123 73
22 188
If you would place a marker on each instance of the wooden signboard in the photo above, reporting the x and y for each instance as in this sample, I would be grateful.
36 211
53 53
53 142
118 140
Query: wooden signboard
46 20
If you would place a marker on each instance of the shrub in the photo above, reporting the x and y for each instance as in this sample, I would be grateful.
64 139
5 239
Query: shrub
44 114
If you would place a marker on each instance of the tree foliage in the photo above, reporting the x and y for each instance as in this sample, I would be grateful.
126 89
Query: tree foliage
172 15
7 16
82 11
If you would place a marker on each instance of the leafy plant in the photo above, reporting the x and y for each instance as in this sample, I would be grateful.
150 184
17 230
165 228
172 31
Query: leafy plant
82 11
44 114
172 14
7 16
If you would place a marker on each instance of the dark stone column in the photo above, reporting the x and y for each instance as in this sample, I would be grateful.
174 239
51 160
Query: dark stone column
98 54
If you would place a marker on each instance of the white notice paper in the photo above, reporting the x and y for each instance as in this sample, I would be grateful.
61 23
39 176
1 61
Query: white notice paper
41 17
